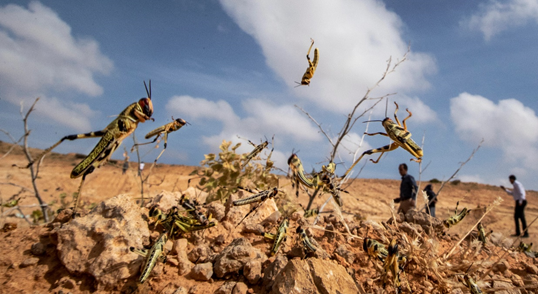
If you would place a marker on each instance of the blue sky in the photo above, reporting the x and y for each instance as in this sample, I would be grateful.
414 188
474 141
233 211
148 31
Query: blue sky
229 68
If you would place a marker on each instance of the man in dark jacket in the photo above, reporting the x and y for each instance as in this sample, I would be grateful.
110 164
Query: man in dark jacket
408 190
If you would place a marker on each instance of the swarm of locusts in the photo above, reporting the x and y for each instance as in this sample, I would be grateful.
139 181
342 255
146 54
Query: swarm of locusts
391 258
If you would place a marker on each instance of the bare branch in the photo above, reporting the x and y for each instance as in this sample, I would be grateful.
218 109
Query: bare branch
319 126
33 172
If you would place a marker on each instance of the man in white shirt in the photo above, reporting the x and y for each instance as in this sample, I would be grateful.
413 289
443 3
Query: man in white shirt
518 193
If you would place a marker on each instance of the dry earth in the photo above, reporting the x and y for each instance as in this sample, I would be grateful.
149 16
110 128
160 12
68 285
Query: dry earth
22 271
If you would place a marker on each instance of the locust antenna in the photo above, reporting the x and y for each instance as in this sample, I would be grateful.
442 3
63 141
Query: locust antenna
386 107
148 92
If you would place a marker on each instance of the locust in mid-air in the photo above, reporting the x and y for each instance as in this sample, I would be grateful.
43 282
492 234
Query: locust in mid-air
111 138
312 65
400 137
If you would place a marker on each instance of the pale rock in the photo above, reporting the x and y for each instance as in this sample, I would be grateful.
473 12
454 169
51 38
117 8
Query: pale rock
240 288
99 241
181 290
496 238
531 269
202 271
165 200
196 194
253 271
314 276
180 248
509 288
344 251
29 262
234 257
226 288
273 269
201 254
502 266
217 210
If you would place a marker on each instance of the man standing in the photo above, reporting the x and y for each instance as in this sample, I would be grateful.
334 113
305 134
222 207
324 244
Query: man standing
518 193
408 190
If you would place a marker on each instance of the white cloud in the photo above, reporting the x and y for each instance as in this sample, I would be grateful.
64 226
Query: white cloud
509 125
263 119
39 54
355 39
496 16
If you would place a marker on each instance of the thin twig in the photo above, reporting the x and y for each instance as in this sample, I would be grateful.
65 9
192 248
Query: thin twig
33 173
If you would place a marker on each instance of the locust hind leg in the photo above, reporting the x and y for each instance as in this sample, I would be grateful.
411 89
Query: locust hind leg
395 116
410 114
77 196
165 144
140 144
69 137
387 148
307 54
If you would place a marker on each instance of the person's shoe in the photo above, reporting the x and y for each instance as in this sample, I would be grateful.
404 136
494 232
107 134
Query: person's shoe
514 235
525 236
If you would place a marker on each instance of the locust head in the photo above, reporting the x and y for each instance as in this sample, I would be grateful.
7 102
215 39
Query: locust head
144 109
181 122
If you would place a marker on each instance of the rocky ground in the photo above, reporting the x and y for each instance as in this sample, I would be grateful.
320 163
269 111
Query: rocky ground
91 253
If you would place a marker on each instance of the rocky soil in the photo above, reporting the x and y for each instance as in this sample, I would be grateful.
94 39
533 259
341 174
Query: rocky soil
91 253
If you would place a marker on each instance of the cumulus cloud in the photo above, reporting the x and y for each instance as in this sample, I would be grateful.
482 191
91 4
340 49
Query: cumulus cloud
262 118
39 55
497 16
509 125
355 39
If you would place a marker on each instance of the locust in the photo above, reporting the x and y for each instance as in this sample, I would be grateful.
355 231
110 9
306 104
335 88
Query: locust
176 223
470 283
11 203
173 126
312 65
111 138
375 249
400 137
156 253
280 236
482 236
394 263
258 198
311 212
308 246
457 217
527 249
257 149
191 208
298 174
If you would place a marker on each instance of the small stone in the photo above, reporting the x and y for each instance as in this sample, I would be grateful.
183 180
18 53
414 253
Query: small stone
172 261
240 288
201 254
217 210
29 262
531 269
181 290
253 271
202 271
501 266
226 288
38 248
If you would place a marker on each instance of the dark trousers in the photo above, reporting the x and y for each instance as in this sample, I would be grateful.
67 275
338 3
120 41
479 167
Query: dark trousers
520 214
